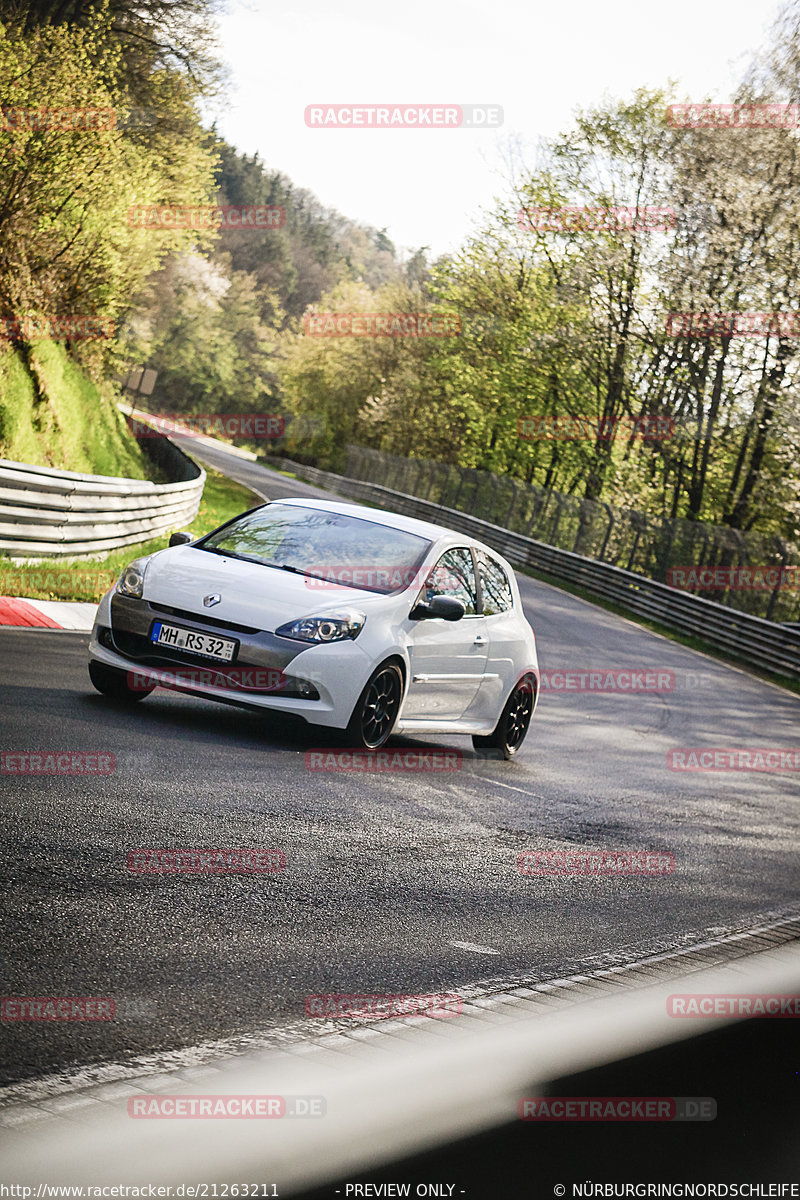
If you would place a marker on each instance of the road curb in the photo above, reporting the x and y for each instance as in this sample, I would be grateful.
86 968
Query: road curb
23 612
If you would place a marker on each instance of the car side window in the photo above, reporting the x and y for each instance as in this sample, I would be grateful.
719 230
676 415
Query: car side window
495 588
454 575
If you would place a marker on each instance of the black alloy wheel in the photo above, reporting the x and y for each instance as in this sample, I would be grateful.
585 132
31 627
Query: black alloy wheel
376 711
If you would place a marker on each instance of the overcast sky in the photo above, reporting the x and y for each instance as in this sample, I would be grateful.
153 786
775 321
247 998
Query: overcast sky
537 61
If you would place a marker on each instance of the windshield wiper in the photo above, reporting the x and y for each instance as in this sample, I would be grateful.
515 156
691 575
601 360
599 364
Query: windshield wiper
286 567
231 554
261 562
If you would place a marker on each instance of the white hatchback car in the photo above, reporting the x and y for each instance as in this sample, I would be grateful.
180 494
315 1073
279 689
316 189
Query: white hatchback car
361 620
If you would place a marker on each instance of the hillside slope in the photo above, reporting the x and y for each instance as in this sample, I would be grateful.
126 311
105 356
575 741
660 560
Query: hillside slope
53 415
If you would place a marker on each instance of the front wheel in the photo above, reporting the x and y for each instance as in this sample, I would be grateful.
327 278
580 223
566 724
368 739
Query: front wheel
114 683
376 711
509 732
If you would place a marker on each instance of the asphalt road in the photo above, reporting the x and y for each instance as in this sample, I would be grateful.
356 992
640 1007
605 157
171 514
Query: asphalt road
394 883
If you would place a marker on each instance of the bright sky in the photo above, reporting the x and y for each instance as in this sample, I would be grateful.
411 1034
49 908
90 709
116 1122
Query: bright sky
537 61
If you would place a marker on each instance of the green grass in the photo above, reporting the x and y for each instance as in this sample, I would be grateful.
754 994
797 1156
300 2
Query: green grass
77 579
691 641
53 415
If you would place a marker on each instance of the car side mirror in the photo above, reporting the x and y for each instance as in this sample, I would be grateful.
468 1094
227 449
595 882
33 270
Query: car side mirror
180 538
447 608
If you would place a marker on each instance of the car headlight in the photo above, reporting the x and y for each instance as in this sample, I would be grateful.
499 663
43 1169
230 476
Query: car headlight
131 581
333 627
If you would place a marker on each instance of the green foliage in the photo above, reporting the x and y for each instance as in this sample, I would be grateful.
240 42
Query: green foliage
53 415
66 246
573 323
553 324
202 330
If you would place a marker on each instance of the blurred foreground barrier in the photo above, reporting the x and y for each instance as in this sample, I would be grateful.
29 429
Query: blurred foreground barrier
378 1100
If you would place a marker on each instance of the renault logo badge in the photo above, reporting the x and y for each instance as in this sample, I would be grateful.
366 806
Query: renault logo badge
210 601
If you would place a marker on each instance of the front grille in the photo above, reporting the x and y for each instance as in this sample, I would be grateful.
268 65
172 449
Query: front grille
202 619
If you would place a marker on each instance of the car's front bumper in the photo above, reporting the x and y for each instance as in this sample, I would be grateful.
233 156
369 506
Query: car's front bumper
268 671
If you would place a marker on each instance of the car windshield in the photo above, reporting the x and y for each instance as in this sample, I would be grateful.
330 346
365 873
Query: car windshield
340 550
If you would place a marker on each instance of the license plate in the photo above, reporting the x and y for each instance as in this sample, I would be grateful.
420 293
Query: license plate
207 644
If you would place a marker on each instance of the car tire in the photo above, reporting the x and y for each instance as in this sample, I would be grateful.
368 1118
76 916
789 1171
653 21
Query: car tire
509 732
114 683
376 710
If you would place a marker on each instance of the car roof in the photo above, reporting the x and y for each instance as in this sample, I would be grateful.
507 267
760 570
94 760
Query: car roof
424 529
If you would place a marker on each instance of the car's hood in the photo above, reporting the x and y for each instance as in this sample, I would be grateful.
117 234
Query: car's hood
262 597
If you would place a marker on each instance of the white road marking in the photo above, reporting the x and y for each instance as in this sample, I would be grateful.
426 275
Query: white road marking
511 788
472 946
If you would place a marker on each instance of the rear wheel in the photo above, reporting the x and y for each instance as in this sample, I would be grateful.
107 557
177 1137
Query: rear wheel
376 711
509 732
113 682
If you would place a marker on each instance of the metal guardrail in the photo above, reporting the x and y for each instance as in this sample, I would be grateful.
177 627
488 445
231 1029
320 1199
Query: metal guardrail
648 544
762 644
45 513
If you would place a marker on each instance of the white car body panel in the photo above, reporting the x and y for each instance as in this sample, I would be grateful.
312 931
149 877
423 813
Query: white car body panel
458 674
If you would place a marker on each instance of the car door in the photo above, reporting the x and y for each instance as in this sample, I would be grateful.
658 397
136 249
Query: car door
502 631
448 658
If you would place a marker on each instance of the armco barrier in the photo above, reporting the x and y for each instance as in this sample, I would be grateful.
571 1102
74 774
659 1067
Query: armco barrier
762 644
46 513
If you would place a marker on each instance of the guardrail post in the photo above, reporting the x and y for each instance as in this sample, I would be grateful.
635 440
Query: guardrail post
610 526
556 521
512 505
639 523
774 597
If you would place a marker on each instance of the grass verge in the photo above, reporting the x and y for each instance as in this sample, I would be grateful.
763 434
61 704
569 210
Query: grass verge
53 415
79 579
